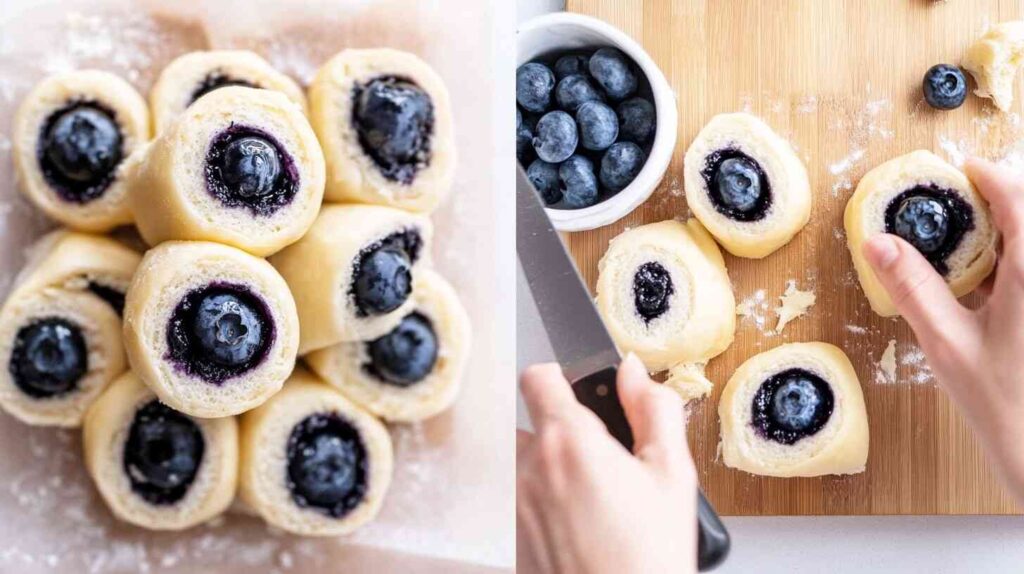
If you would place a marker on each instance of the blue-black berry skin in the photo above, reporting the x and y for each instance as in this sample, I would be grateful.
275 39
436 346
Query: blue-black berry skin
571 64
621 164
945 87
599 126
534 85
574 91
578 182
556 137
614 72
544 177
524 139
637 120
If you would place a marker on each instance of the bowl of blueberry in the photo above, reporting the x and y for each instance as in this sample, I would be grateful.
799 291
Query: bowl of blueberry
595 119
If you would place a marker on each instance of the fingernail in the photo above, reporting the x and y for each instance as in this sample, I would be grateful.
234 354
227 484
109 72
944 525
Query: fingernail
633 365
881 251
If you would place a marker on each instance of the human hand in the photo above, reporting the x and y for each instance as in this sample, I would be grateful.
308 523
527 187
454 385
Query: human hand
583 503
977 356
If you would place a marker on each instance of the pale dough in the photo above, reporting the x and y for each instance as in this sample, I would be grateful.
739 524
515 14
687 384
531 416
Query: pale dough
994 59
104 435
170 271
263 467
887 364
793 303
839 447
790 207
110 209
689 381
971 261
352 175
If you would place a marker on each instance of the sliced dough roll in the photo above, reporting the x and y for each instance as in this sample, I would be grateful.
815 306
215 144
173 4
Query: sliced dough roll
412 372
241 166
935 208
746 185
312 462
195 74
155 467
60 328
353 273
664 294
71 136
211 329
385 121
796 410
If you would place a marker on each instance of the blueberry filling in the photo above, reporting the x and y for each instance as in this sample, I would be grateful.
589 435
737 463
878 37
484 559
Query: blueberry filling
48 358
737 185
327 465
406 355
162 454
111 296
932 219
246 167
216 80
652 289
382 273
791 405
394 119
219 331
79 150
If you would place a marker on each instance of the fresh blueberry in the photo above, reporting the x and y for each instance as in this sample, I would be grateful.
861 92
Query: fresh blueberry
407 354
394 120
215 81
327 465
162 454
571 64
578 182
945 87
79 150
794 403
599 126
738 184
556 137
524 139
228 330
922 222
636 120
544 177
383 281
247 168
48 358
652 289
614 72
574 91
791 405
932 219
621 164
534 84
251 166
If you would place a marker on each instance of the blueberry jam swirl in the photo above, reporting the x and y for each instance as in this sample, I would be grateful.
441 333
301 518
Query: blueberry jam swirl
932 219
652 290
737 185
791 405
49 357
217 80
79 149
328 465
382 273
406 355
219 331
247 168
162 454
394 120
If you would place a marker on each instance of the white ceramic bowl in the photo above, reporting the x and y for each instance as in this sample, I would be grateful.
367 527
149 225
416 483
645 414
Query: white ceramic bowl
565 31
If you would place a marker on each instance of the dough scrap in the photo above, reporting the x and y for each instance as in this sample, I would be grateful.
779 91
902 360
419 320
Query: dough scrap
794 303
887 365
994 59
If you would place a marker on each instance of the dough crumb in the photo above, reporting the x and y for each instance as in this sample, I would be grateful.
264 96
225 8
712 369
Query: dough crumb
689 381
887 366
794 304
993 60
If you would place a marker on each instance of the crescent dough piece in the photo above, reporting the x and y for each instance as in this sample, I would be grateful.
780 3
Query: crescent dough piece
675 272
835 441
352 174
97 204
106 438
756 228
274 436
994 60
964 263
163 304
192 75
350 366
176 192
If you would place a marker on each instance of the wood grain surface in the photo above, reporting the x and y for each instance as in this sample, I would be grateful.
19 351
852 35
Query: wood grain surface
841 80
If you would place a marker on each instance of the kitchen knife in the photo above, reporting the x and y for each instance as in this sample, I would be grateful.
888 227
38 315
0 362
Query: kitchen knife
582 345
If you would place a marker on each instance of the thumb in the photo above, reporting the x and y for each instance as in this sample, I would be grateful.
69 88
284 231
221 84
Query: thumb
654 412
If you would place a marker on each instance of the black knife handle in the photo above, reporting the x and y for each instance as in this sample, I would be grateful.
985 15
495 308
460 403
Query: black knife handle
598 393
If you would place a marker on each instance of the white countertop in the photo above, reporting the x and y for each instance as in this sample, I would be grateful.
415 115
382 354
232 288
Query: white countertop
838 545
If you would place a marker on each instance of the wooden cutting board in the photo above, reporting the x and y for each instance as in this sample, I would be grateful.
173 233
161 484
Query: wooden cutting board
841 80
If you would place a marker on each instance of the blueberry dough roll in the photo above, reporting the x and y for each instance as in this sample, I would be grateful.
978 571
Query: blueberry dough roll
60 328
211 329
71 136
934 207
384 119
414 371
746 185
664 294
241 166
796 410
312 462
354 273
155 467
195 74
